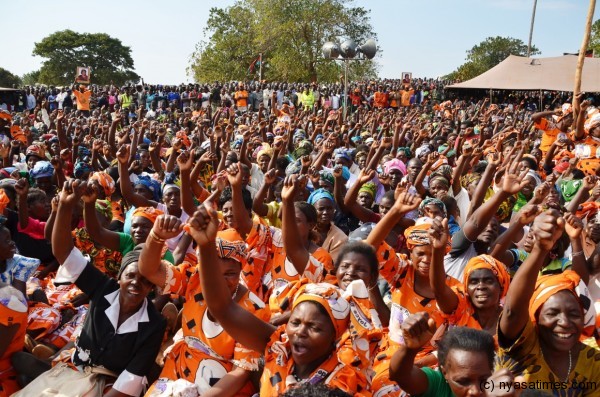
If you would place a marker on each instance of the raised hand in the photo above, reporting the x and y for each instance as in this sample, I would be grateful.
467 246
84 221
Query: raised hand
184 161
432 157
291 185
366 175
438 233
590 181
338 171
494 159
306 161
22 187
547 229
407 202
417 330
573 226
270 177
207 157
71 192
167 226
203 225
528 213
234 175
89 194
514 178
123 154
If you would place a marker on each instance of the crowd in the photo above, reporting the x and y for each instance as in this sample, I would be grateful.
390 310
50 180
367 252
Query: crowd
249 238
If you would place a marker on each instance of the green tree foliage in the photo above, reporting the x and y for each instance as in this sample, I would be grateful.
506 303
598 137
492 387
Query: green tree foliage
31 78
289 33
489 53
9 80
595 39
108 59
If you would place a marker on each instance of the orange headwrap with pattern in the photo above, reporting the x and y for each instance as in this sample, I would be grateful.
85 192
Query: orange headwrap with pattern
491 263
231 245
418 234
149 213
327 295
105 181
4 201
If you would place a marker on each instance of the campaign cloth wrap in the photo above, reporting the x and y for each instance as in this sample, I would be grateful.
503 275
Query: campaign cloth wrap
490 263
106 182
149 213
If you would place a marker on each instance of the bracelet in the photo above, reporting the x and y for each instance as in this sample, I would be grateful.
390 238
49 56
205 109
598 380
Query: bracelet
578 253
156 238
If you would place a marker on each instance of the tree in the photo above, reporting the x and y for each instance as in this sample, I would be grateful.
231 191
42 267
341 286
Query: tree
290 35
9 80
595 39
31 78
108 59
489 53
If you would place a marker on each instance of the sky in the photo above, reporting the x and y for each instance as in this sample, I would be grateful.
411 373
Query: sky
426 37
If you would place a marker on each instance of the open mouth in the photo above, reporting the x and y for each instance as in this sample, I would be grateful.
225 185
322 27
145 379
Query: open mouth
299 349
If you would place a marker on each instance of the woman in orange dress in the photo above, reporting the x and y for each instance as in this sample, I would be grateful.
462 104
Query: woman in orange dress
205 358
301 351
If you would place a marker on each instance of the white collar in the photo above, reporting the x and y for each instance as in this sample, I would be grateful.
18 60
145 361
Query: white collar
129 325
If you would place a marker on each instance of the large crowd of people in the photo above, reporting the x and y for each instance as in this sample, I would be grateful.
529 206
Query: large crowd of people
252 238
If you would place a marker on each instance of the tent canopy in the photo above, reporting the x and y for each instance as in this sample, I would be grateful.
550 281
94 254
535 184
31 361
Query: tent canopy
522 73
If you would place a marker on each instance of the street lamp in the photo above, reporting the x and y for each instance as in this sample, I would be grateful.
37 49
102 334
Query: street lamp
347 51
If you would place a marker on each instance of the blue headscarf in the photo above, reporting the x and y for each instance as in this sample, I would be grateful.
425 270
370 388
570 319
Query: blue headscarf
318 195
152 185
81 169
83 151
41 169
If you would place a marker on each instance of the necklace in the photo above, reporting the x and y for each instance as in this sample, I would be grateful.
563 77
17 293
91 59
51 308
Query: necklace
570 363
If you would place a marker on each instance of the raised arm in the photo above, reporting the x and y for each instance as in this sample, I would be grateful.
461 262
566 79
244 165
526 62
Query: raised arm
127 192
242 325
446 299
514 233
548 228
573 228
184 162
150 264
62 241
100 235
244 222
258 205
22 189
295 248
417 330
405 203
363 214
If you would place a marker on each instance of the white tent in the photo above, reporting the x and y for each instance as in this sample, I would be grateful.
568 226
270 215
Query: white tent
522 73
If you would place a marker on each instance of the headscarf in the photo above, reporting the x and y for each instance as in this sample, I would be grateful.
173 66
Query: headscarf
5 116
293 168
422 151
184 138
441 178
19 135
328 296
81 168
442 161
42 169
151 184
168 186
318 195
443 170
104 180
4 201
491 263
405 150
362 232
83 151
264 150
370 188
149 213
548 285
394 164
230 245
418 235
341 153
105 208
432 201
568 189
592 122
34 150
469 178
132 256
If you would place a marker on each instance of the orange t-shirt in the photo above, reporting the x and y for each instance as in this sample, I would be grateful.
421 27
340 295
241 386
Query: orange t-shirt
549 134
380 99
83 99
241 98
405 97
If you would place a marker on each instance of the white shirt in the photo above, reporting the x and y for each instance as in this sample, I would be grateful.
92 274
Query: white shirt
30 101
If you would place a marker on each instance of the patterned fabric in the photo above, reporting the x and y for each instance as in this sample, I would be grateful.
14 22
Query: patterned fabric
42 169
149 213
19 268
278 375
370 188
280 271
490 263
418 234
105 181
432 201
230 245
588 153
204 352
13 311
152 185
106 260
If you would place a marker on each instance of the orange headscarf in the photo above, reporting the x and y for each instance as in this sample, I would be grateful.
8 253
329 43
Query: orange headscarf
491 263
418 234
149 213
4 201
231 245
548 285
184 138
327 295
104 180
